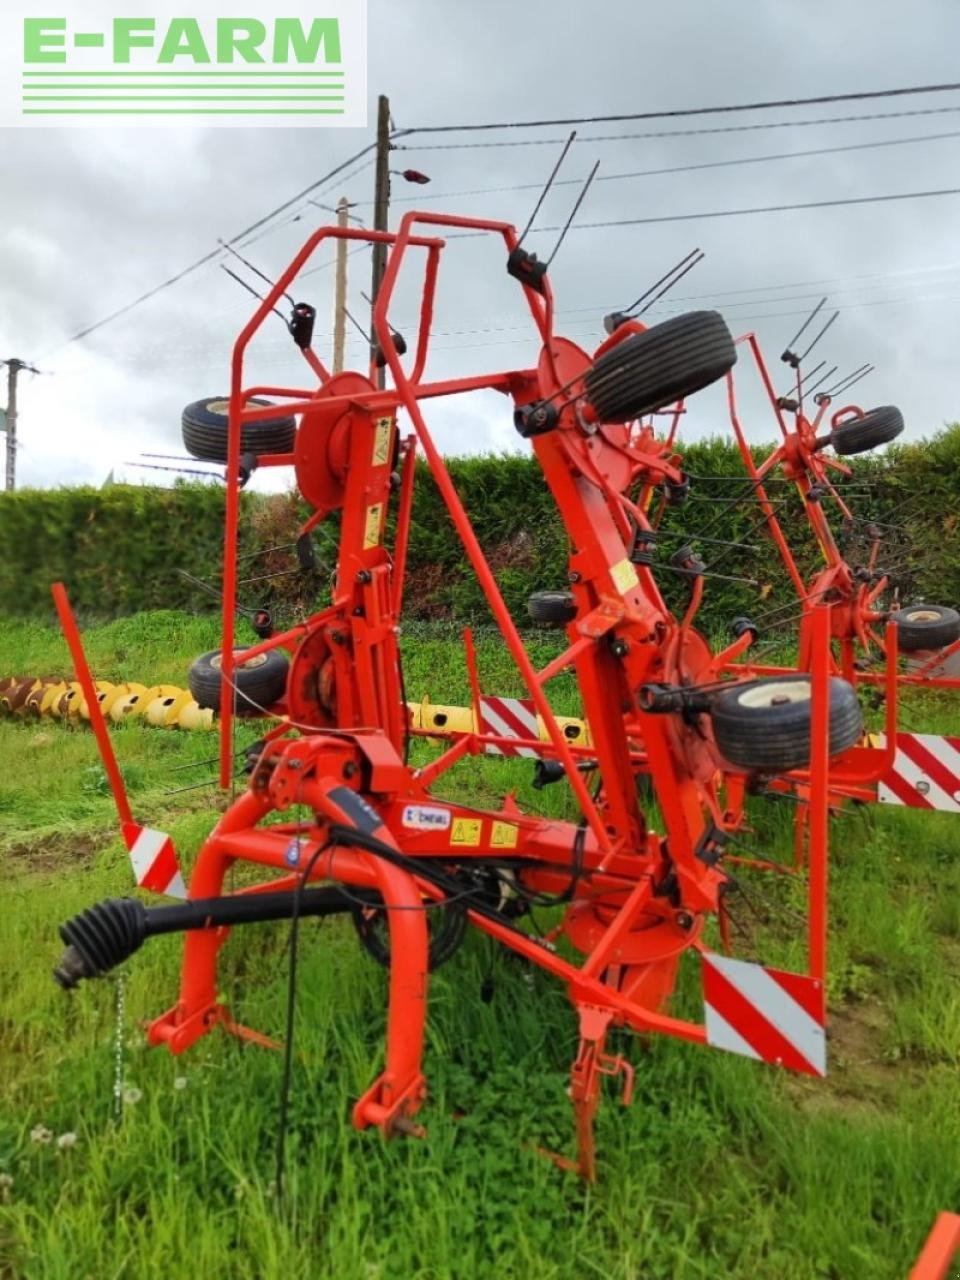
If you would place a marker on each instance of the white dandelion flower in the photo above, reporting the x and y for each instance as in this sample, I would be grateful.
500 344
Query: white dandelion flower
131 1096
41 1134
180 1082
66 1141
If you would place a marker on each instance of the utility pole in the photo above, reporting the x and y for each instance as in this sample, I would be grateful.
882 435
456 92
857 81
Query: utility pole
381 205
340 289
14 367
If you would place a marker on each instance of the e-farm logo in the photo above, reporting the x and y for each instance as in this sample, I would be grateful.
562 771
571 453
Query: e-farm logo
135 63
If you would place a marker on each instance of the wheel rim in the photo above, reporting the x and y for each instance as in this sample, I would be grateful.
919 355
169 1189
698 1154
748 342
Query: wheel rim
250 665
778 693
222 407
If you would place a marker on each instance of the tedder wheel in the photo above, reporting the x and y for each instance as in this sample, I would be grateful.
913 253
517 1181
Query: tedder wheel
259 682
554 607
926 626
764 725
204 425
446 925
668 361
857 435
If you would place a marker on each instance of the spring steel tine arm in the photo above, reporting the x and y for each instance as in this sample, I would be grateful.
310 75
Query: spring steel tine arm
695 262
549 183
819 335
803 328
573 212
250 289
685 263
256 270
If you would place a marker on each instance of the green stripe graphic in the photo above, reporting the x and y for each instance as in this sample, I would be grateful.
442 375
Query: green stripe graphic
183 97
183 73
183 111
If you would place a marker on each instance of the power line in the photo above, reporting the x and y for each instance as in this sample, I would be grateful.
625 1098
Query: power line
298 217
214 253
725 299
721 297
741 320
247 234
681 133
585 328
732 213
738 320
678 112
687 168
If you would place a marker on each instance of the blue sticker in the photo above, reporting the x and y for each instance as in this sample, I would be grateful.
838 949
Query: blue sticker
292 855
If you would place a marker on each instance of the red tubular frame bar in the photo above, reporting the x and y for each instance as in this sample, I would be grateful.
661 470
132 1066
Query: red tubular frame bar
238 414
112 769
542 316
939 1251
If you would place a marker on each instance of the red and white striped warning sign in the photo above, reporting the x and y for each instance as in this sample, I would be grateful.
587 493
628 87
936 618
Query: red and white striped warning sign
510 718
764 1013
154 860
925 773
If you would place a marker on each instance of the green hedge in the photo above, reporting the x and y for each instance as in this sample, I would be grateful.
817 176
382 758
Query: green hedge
119 549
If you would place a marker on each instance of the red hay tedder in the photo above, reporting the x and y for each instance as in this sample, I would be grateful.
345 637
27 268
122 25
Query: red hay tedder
864 596
355 828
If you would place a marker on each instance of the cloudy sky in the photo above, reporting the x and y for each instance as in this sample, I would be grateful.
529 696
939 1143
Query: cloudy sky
93 218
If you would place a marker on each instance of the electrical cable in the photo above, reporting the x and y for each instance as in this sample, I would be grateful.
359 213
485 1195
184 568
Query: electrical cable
681 112
731 213
208 257
284 1100
684 168
684 133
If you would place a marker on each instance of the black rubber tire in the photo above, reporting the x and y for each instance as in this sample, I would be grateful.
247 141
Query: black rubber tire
556 608
669 361
877 427
257 687
926 626
446 927
774 737
204 429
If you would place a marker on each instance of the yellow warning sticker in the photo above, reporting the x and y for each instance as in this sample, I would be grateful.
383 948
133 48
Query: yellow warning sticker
381 441
466 831
371 529
624 576
504 835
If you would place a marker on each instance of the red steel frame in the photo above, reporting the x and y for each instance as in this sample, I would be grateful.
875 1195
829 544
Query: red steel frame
941 1249
857 614
640 899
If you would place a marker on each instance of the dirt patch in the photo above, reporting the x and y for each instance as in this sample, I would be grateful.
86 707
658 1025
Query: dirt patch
53 851
860 1075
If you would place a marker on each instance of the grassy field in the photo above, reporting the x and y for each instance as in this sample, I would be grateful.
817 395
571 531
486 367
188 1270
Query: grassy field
720 1168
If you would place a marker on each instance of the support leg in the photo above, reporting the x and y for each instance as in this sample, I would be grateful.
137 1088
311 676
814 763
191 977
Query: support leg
198 1011
398 1093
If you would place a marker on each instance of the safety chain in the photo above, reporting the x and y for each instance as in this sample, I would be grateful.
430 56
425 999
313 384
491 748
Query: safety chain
121 989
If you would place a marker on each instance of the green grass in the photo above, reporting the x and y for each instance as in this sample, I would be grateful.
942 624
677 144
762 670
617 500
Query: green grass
720 1168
